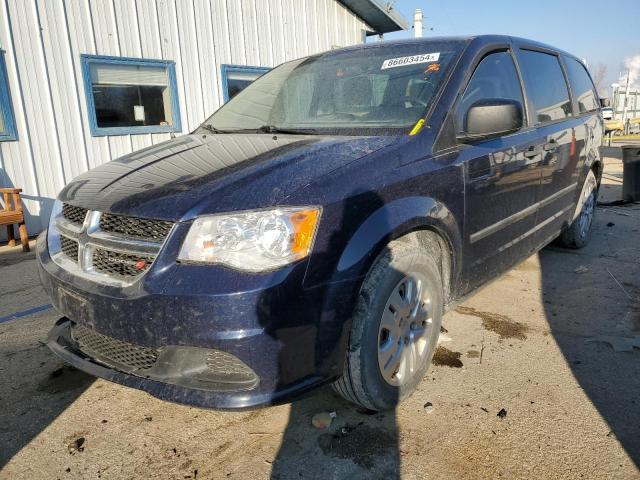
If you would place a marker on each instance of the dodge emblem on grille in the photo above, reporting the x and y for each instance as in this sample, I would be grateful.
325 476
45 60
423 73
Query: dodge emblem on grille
140 264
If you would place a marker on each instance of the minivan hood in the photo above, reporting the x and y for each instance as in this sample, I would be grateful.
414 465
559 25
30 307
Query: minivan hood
196 174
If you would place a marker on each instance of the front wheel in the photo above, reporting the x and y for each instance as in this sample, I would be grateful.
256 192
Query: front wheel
395 328
578 234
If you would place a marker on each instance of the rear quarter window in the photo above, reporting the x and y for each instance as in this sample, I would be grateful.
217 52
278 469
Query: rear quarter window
582 87
545 86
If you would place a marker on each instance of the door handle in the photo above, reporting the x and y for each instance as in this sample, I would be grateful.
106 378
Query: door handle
551 146
532 152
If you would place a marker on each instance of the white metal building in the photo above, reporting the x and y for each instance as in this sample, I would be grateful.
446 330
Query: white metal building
632 100
85 81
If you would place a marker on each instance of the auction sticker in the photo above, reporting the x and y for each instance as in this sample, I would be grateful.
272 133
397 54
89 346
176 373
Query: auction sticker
411 60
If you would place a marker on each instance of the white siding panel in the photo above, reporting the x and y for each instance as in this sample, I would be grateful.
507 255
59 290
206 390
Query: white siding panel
66 102
148 28
264 35
236 32
206 58
221 42
82 40
311 26
250 28
34 82
289 20
170 41
16 158
190 65
277 31
43 41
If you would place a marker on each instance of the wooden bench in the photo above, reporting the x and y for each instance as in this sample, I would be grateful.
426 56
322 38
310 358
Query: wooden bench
12 214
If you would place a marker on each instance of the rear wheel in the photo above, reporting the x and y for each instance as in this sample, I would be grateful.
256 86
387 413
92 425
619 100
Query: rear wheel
395 329
578 234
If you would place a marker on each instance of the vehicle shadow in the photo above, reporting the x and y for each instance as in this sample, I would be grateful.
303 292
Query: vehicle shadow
583 301
359 443
35 386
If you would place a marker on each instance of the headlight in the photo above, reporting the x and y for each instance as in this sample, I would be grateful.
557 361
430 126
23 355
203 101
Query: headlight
252 241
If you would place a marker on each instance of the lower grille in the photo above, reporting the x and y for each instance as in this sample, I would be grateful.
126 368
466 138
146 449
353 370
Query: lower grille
192 367
120 264
69 248
114 352
228 366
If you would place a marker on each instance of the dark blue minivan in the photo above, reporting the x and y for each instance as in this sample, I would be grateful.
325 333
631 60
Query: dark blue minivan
315 228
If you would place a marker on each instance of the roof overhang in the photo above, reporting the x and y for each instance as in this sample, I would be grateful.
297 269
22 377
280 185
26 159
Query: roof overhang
380 15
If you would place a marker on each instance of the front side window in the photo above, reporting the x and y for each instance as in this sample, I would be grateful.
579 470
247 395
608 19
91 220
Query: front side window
545 86
236 78
495 77
350 92
582 87
7 124
129 96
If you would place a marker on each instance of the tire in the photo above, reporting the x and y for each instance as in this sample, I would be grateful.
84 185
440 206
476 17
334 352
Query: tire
578 234
415 324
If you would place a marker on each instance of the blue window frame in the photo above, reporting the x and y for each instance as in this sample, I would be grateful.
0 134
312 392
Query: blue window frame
236 78
130 95
7 121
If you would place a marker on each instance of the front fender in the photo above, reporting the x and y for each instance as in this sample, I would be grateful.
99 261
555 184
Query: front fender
391 221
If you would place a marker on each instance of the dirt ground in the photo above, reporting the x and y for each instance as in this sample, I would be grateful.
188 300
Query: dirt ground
519 390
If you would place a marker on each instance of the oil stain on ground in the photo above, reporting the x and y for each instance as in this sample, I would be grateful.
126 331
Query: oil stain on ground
64 379
355 443
446 358
500 324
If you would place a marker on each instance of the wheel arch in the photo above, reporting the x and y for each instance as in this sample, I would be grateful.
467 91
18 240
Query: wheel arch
423 221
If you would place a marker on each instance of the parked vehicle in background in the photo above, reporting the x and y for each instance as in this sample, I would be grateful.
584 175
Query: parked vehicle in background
315 228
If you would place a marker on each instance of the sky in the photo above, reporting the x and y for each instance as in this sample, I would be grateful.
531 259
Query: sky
600 31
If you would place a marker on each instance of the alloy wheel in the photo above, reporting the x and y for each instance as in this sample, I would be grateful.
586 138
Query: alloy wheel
405 327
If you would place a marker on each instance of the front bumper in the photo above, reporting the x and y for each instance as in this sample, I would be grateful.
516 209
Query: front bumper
218 396
293 339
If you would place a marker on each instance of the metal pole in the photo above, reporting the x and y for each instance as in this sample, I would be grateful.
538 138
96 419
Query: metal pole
417 23
626 101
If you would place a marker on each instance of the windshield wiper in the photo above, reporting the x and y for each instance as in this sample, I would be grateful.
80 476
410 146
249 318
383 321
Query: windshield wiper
265 128
274 129
210 128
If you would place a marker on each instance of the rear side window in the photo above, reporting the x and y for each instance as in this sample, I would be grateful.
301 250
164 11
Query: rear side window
582 86
494 77
545 86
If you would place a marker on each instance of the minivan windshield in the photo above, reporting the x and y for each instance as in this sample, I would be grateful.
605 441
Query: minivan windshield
350 92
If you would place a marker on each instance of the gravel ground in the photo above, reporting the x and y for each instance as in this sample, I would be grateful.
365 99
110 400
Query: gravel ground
519 390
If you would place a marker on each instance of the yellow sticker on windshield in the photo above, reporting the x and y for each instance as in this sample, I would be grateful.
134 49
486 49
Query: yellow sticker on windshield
417 127
410 60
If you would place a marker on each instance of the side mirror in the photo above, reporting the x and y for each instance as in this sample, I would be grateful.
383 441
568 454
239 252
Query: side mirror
605 102
491 117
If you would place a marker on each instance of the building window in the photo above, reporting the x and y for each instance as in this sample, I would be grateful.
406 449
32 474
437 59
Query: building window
7 123
130 95
236 78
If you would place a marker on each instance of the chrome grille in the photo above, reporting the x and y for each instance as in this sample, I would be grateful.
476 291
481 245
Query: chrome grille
69 248
154 230
114 352
74 214
107 248
120 264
